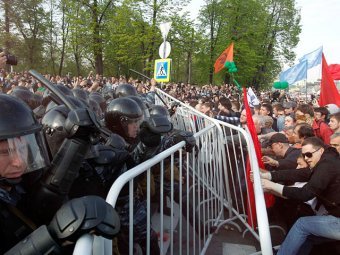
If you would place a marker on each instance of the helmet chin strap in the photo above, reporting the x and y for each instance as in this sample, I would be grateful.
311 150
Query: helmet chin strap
9 182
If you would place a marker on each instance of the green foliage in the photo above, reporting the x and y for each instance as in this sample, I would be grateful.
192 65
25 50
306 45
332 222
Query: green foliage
114 36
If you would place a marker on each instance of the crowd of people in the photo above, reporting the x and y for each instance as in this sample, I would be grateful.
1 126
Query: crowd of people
300 142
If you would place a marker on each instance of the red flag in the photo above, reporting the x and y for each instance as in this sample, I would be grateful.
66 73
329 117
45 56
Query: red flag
328 92
227 55
251 210
334 71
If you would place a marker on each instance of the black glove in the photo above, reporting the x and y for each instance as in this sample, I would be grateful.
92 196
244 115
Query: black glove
188 137
173 108
148 137
84 215
73 219
117 142
80 124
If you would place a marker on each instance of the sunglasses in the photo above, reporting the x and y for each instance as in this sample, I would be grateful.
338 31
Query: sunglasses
309 154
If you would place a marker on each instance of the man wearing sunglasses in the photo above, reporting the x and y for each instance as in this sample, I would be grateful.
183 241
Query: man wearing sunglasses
323 182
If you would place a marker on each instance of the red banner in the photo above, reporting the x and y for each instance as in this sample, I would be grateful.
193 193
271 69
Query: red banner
334 70
328 92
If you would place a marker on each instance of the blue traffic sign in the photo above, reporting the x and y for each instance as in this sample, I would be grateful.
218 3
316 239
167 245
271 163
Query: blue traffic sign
162 70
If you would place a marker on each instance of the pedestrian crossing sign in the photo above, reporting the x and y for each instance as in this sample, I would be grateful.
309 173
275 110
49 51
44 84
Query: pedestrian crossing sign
162 70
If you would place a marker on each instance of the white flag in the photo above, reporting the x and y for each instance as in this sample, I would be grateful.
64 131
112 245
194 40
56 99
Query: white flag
252 98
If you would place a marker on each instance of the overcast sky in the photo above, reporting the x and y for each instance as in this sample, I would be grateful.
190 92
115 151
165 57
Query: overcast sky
320 20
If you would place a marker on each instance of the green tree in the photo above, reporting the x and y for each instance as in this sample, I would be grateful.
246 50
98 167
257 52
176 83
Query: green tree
264 32
212 20
280 38
154 12
30 20
184 41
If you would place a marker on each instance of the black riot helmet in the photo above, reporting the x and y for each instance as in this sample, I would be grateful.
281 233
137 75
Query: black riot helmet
121 112
53 127
159 110
95 107
22 147
124 90
96 96
25 95
142 105
160 117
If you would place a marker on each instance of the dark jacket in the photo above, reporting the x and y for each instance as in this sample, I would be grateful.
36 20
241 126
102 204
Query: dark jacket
289 160
323 182
12 228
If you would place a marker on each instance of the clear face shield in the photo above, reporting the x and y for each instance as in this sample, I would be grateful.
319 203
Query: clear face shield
132 126
23 154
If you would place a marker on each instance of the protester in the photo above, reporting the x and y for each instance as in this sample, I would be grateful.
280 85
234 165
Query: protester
287 155
322 182
335 141
334 122
320 127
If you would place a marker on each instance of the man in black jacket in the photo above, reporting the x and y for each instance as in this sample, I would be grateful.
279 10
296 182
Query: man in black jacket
287 155
323 182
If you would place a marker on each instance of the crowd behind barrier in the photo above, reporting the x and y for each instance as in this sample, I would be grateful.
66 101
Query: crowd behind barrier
176 177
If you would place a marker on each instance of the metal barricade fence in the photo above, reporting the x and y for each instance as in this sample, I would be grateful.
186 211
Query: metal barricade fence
184 198
236 145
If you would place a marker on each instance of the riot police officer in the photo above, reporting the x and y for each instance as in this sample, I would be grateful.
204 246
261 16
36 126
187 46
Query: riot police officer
23 156
123 117
124 90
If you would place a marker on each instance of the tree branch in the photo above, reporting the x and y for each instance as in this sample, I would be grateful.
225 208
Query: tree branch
105 9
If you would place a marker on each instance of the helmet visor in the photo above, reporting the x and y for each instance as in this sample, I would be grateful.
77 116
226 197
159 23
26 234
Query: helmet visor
126 121
22 154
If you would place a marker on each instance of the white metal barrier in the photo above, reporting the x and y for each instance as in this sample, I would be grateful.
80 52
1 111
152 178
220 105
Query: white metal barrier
189 196
236 196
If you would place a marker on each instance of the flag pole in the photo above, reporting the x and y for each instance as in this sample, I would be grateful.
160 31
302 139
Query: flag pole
306 91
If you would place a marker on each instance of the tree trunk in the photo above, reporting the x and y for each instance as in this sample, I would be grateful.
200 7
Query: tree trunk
77 59
152 47
51 40
64 38
188 68
7 41
97 42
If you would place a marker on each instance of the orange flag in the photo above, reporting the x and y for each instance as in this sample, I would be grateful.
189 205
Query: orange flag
227 55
